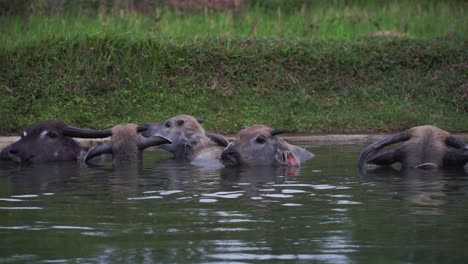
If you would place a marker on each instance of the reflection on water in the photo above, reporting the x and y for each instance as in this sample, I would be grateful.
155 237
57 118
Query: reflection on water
170 212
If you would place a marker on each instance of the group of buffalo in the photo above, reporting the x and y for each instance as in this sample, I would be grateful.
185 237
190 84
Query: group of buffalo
258 145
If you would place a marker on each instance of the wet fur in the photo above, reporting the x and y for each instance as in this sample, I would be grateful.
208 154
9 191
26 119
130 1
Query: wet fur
124 144
426 147
202 147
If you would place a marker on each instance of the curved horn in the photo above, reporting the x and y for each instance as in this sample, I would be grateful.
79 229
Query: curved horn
278 131
142 128
98 150
395 138
453 142
70 131
218 139
152 141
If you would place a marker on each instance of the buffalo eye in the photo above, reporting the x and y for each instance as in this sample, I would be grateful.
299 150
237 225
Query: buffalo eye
168 124
52 134
260 140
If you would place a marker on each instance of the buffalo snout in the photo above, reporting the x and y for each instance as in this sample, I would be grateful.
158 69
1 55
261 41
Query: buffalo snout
11 153
230 156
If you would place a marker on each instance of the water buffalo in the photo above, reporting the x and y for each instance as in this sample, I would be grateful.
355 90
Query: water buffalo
423 147
49 141
259 145
126 145
190 142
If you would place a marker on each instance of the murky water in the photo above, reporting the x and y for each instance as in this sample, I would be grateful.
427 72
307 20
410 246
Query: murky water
168 212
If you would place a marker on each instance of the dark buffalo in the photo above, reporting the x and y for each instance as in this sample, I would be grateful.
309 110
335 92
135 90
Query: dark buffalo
423 147
259 145
49 141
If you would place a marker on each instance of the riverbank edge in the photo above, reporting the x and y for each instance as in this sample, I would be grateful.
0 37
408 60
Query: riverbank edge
325 139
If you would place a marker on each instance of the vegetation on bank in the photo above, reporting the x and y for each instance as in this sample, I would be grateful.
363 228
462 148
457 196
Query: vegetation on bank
319 68
320 86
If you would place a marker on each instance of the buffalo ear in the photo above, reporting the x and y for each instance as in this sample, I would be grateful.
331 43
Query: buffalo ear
455 143
218 139
278 131
301 153
142 128
292 155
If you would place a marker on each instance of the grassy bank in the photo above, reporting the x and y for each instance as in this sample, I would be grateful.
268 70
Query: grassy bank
318 86
313 67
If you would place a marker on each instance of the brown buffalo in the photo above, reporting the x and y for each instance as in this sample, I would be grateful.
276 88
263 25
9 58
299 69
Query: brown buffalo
259 145
190 142
423 147
126 145
49 141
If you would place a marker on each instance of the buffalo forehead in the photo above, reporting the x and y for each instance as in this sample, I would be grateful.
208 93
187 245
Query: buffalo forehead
255 130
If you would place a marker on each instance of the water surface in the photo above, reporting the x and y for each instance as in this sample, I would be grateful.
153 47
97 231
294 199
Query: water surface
168 212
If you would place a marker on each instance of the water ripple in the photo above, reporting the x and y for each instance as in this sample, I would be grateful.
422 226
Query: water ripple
208 200
278 195
21 208
332 258
11 200
292 191
73 227
145 198
227 195
25 196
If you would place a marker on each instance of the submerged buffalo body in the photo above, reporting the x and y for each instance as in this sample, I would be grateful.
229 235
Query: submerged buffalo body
126 145
259 145
423 147
190 142
49 141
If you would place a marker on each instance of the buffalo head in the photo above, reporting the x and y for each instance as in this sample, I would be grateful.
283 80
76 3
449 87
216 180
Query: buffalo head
49 141
422 147
259 145
126 145
184 131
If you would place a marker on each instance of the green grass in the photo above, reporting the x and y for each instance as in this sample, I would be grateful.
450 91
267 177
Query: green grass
310 86
313 69
321 20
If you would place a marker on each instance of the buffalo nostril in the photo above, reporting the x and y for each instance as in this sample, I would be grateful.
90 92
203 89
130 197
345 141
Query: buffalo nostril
13 152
